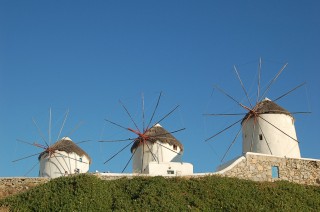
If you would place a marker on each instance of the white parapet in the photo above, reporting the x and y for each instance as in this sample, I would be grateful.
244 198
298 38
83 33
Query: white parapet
169 169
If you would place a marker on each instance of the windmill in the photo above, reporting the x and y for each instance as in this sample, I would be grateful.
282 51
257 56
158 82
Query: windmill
59 159
266 127
152 144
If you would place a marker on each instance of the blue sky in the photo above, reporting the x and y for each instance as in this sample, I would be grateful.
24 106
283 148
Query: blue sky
85 56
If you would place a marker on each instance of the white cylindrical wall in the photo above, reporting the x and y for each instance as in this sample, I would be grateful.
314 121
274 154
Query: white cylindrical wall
62 163
261 137
162 152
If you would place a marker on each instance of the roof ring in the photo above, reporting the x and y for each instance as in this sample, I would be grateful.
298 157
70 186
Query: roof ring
66 138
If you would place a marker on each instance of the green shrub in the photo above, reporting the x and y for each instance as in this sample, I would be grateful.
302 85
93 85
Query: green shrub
211 193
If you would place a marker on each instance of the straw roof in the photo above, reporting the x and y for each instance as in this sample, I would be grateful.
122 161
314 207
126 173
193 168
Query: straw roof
158 133
267 106
68 146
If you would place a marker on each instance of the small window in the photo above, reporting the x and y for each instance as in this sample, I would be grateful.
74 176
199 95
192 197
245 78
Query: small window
80 159
174 147
275 171
170 171
260 137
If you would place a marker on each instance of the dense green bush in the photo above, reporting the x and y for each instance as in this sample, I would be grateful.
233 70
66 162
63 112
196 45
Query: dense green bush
211 193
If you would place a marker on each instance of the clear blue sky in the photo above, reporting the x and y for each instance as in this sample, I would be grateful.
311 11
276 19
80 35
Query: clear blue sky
85 56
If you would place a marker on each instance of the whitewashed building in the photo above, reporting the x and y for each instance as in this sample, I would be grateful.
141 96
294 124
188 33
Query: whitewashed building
270 131
63 158
159 153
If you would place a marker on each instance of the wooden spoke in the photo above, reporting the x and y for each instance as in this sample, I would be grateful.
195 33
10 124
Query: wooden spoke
273 80
50 165
74 129
118 152
143 113
225 114
142 158
234 140
154 111
29 156
153 155
32 144
49 128
40 132
59 163
129 161
243 88
30 170
116 124
70 144
265 138
252 136
259 80
137 128
223 130
168 148
63 123
156 136
120 140
279 129
68 165
285 94
85 141
66 156
225 93
168 114
300 112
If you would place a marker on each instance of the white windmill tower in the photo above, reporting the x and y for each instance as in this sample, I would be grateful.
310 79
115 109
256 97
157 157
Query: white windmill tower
269 129
61 158
154 151
266 127
158 146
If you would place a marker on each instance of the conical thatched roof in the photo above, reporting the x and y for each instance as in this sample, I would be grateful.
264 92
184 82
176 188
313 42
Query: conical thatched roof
267 106
158 133
67 145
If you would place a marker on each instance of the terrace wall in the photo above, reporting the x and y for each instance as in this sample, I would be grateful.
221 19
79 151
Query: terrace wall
251 166
259 167
14 185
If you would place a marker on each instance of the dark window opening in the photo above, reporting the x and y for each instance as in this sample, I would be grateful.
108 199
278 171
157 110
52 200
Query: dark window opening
170 171
174 147
275 171
260 137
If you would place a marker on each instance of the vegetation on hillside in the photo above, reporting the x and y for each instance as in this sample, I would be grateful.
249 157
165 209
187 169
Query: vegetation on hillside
211 193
